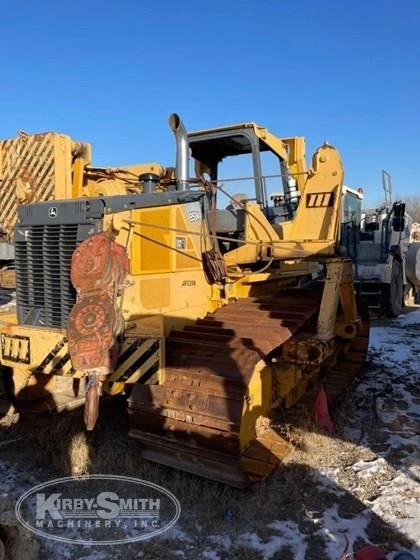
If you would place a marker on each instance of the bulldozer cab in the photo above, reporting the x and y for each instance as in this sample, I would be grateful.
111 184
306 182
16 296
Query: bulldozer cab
261 180
250 164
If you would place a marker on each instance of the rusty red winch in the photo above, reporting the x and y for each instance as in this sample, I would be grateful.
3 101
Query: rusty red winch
99 271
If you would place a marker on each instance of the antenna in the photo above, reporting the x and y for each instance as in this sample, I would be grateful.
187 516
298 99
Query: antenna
387 186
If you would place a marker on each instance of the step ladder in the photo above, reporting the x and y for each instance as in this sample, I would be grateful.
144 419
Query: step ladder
370 291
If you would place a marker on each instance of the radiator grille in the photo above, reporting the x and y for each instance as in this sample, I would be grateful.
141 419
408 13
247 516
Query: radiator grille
44 292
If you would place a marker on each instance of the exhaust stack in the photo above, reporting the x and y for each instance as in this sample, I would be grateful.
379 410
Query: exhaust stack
182 152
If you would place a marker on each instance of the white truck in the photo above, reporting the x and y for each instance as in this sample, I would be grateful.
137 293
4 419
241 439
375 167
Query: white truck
377 240
413 266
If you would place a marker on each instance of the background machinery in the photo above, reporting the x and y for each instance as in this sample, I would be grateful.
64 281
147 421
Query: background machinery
413 266
377 241
199 303
32 168
45 166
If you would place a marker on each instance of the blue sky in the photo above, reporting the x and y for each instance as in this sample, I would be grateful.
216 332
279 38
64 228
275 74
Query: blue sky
111 72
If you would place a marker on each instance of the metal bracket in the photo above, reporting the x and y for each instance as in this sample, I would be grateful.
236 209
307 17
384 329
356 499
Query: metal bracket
338 287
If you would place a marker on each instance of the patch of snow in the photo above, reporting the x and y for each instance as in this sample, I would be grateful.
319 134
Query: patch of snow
175 533
368 468
95 556
412 318
210 555
323 478
391 388
334 529
222 541
289 536
399 505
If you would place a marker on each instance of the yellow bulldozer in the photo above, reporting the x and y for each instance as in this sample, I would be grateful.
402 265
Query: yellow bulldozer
202 305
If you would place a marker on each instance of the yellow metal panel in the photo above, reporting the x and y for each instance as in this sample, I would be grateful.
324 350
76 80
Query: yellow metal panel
39 344
182 261
146 326
155 293
257 403
7 319
318 215
151 247
330 297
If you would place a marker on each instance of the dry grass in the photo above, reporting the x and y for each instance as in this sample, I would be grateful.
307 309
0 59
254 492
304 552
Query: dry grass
290 494
319 449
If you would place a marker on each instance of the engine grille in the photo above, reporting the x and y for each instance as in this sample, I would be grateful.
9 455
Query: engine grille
44 293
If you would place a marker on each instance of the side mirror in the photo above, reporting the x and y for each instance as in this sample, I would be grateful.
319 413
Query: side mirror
398 219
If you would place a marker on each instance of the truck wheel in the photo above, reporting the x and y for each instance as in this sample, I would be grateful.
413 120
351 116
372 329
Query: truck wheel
396 290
